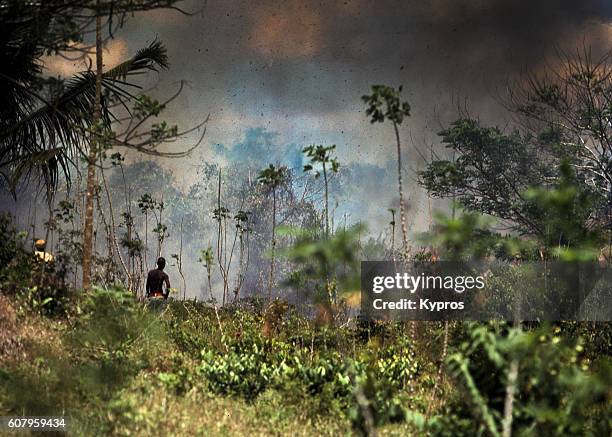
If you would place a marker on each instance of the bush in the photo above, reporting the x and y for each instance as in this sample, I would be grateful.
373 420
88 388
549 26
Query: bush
253 364
80 371
35 285
557 391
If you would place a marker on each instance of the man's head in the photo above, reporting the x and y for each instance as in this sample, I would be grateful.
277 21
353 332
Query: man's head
161 263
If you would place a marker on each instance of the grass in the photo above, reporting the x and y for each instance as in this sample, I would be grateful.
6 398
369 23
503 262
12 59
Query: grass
116 368
147 407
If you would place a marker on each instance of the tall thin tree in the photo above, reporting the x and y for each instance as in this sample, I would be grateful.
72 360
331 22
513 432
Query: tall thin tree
272 177
91 158
385 104
323 156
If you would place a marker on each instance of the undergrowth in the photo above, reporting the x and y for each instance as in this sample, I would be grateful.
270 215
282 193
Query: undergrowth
116 367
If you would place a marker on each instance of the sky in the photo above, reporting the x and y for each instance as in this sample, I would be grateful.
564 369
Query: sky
290 73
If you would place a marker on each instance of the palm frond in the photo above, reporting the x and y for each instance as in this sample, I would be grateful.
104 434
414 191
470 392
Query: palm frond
63 124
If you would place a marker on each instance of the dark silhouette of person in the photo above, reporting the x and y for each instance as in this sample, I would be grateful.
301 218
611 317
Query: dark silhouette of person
156 280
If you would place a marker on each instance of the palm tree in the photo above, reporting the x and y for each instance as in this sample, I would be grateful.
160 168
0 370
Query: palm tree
384 104
45 128
272 177
46 132
321 155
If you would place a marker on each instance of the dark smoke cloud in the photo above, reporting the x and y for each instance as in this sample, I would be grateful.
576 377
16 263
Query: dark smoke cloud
267 61
278 75
299 67
303 55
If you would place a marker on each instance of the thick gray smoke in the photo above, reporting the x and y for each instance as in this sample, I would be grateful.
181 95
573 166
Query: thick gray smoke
278 75
297 68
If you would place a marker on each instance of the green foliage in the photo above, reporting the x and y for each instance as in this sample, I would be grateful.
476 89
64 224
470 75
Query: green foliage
255 364
320 155
558 392
117 159
64 211
319 367
469 236
161 230
564 212
489 173
111 339
206 257
146 203
220 214
538 189
385 103
38 286
247 369
115 357
134 246
241 218
162 131
272 177
317 258
461 237
43 139
145 106
572 102
323 156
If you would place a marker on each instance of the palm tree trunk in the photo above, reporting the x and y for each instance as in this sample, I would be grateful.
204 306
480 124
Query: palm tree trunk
271 282
327 281
326 202
401 193
91 159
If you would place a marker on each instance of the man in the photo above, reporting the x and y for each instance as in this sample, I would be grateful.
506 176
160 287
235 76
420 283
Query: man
156 280
39 251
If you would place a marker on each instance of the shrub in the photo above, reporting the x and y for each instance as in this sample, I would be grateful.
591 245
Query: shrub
36 285
254 363
557 392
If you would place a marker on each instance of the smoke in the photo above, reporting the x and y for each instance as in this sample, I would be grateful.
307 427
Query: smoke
297 56
278 75
298 67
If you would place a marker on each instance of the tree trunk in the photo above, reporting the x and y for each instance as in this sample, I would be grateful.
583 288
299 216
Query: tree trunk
146 243
511 384
405 249
393 236
401 194
271 283
91 159
113 229
326 203
509 399
212 299
161 236
180 263
327 281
